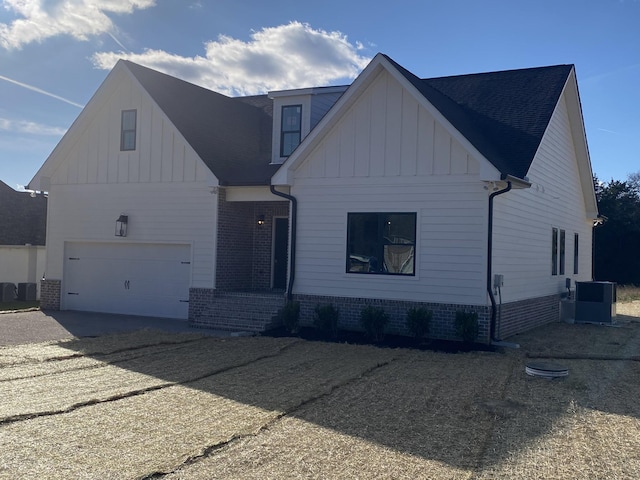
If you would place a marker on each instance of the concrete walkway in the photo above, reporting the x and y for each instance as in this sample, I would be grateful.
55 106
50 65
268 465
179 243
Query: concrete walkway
38 326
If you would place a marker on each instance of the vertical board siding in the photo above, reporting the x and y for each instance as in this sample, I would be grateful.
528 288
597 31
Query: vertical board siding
382 156
161 154
524 219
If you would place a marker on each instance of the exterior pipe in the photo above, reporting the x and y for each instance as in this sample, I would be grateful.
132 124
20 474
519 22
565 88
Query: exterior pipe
292 249
492 325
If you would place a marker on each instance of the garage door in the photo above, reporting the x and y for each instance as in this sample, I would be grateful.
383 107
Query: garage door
134 279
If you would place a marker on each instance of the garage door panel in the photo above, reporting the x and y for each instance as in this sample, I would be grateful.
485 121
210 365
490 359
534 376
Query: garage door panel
136 279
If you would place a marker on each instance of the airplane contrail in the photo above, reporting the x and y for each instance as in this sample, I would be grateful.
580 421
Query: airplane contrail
38 90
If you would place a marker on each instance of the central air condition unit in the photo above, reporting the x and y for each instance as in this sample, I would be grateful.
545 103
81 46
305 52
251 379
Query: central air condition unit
7 292
27 292
595 302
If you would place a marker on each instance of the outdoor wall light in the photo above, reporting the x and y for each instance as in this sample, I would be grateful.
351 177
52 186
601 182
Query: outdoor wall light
260 220
121 226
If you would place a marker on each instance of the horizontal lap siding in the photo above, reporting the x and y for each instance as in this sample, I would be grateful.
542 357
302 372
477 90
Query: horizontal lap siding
450 252
524 219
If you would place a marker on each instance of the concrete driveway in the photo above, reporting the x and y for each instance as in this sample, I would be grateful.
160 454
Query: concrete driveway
38 326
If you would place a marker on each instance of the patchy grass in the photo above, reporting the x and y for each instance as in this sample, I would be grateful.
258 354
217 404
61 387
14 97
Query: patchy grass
628 293
157 405
17 306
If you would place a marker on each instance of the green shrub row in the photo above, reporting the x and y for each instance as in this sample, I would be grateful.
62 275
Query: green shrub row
374 321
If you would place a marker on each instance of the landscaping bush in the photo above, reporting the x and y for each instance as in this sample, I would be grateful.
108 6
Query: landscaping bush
373 320
467 326
418 322
325 319
290 316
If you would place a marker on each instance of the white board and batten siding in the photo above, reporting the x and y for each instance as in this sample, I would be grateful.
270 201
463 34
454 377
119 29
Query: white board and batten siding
524 219
388 154
163 187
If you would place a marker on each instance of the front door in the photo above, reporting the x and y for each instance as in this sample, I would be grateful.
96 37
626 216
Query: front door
280 251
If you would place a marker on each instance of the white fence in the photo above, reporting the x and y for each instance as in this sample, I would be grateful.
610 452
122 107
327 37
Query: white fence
22 264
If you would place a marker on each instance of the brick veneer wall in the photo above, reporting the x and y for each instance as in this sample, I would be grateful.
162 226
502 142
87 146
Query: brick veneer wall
244 247
442 323
518 317
199 298
50 294
263 242
235 244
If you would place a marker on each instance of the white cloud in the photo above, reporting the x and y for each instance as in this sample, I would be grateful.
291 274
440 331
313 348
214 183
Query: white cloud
81 19
287 56
31 128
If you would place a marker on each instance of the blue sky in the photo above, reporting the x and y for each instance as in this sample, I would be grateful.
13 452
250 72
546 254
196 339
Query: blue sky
54 54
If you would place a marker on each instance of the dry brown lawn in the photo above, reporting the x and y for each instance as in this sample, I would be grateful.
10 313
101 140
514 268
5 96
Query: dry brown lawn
176 406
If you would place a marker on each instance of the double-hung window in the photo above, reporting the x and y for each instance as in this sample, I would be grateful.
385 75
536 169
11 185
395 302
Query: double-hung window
128 130
558 251
290 129
381 243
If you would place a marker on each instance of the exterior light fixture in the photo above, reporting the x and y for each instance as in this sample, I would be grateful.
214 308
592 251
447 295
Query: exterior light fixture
121 226
260 220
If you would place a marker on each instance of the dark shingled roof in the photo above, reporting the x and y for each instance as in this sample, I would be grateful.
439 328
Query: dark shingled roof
503 114
231 135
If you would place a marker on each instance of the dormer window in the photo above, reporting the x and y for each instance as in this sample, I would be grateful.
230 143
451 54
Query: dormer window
291 129
128 130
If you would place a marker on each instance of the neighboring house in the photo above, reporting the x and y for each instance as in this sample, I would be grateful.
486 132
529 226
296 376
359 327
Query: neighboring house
23 220
395 191
23 217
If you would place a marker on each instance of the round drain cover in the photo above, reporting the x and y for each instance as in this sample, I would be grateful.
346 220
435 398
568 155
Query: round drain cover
546 370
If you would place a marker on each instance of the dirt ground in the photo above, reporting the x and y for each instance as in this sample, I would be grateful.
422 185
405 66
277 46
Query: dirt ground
185 406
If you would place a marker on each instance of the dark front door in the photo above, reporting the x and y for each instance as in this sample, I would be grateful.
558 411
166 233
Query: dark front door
280 249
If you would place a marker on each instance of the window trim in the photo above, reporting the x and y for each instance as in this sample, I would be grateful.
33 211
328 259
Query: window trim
283 131
554 251
576 253
562 251
380 243
123 131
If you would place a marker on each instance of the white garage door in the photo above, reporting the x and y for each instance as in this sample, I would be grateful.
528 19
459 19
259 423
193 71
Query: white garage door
129 278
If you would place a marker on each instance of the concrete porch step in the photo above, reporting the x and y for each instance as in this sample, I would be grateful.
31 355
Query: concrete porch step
240 311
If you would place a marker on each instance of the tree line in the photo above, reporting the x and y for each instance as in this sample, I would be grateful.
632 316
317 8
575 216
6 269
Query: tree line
617 240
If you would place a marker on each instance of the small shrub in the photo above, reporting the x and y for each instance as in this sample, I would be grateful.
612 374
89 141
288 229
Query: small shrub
325 319
467 326
373 320
418 322
290 316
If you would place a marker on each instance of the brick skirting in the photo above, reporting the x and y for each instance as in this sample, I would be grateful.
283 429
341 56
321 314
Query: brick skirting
518 317
442 324
50 294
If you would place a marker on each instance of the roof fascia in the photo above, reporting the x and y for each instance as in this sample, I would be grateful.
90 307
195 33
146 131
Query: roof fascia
578 132
284 175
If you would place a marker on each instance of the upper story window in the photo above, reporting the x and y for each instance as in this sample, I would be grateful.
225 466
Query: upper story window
381 243
128 130
291 129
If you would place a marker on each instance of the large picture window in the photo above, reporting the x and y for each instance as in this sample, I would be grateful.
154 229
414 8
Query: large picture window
381 243
291 129
128 130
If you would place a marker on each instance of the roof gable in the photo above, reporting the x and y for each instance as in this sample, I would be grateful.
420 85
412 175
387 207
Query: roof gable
503 114
232 136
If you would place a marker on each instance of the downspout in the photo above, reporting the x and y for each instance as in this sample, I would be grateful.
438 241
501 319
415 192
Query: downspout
492 325
292 249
